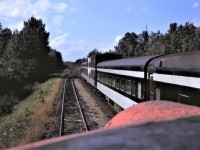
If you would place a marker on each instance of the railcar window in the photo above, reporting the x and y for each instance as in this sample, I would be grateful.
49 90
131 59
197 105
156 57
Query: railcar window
110 80
133 89
98 76
139 90
128 86
104 78
107 79
117 83
113 81
123 85
101 77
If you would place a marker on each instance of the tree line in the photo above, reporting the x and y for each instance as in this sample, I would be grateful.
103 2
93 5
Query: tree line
26 57
179 38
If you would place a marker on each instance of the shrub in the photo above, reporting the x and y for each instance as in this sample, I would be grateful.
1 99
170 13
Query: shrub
6 103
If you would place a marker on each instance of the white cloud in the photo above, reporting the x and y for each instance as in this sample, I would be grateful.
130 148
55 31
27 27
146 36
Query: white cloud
17 26
73 50
117 38
70 50
196 22
57 20
25 8
14 11
41 5
195 5
8 9
60 7
60 41
105 47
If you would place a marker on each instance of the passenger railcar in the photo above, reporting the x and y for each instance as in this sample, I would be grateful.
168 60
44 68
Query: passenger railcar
84 70
88 69
175 77
124 80
129 81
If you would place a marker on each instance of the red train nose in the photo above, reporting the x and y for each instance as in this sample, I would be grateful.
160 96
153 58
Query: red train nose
152 111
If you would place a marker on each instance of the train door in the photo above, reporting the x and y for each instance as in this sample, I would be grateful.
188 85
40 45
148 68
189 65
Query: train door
154 90
139 94
151 87
157 93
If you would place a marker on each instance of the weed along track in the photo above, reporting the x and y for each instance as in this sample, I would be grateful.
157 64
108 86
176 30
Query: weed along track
82 109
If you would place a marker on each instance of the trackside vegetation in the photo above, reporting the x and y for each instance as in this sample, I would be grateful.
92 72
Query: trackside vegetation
26 58
28 120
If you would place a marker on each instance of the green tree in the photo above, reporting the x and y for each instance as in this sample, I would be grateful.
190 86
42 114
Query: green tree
35 46
5 36
56 61
172 27
25 58
156 44
127 45
93 52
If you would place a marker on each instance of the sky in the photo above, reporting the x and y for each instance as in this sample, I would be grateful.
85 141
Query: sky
78 26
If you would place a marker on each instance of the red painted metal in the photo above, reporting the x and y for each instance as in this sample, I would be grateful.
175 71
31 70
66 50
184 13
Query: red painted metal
125 125
153 111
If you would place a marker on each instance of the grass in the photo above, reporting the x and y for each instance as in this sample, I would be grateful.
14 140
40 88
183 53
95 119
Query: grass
37 124
27 121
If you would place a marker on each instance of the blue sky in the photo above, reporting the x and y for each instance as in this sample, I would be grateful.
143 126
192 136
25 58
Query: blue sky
78 26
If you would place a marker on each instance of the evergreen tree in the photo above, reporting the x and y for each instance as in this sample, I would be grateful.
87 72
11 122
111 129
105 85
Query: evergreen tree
93 52
127 45
35 47
5 36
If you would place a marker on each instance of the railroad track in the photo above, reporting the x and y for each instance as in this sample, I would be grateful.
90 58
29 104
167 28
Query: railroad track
72 116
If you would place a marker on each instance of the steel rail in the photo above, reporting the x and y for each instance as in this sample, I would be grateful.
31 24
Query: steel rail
62 111
80 109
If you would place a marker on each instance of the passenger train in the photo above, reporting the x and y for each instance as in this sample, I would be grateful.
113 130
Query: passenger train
125 82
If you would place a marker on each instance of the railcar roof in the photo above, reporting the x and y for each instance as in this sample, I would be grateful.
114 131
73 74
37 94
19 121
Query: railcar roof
189 61
126 62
